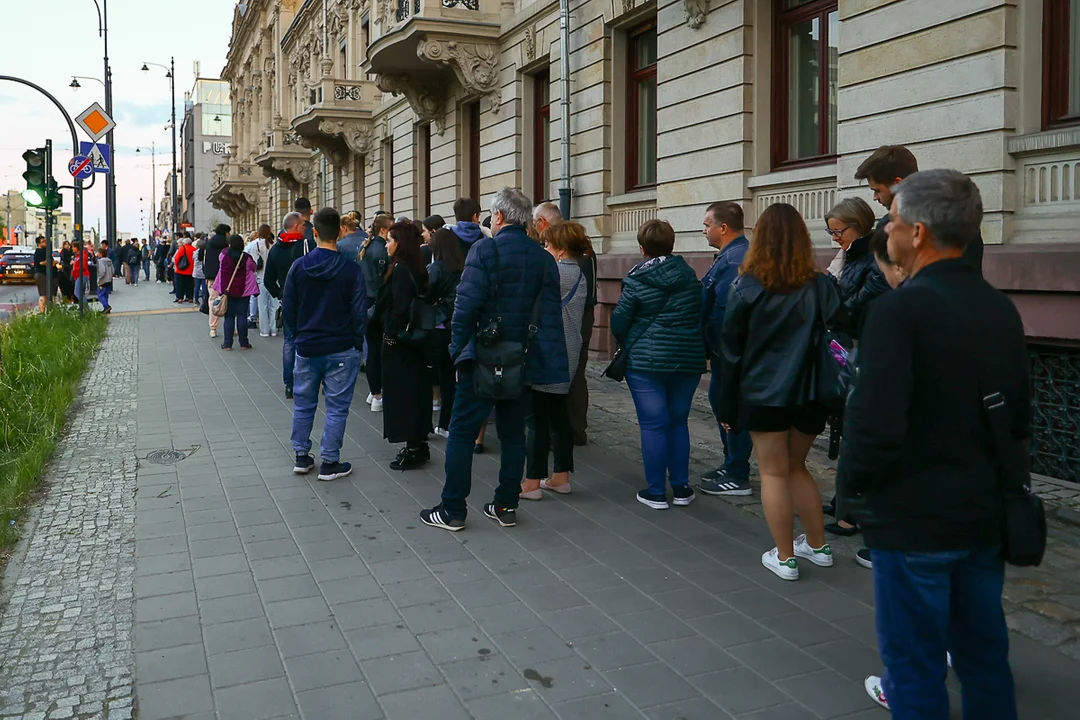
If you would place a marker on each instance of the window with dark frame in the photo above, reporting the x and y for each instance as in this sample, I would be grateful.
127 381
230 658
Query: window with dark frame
423 138
1061 63
541 136
641 107
804 88
472 112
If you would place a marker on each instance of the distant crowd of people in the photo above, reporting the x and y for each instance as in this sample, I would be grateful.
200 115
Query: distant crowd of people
80 267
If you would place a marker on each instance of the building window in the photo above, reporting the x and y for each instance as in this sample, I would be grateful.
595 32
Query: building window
1061 62
472 127
423 156
388 176
343 58
641 108
541 136
805 51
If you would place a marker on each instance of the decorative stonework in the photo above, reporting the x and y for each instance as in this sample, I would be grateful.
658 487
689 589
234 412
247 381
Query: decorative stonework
627 6
327 145
530 43
475 64
349 92
290 139
294 173
426 96
695 12
357 134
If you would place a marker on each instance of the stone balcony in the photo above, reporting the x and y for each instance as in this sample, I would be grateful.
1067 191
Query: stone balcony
336 118
235 187
282 156
419 47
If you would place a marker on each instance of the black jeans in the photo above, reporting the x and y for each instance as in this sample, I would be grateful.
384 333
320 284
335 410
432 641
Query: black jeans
547 429
185 287
236 321
447 377
374 357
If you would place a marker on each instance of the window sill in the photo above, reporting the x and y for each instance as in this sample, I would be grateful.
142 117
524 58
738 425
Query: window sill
795 176
631 198
1066 138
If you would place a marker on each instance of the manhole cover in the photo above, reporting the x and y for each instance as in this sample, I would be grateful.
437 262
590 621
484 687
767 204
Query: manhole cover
169 456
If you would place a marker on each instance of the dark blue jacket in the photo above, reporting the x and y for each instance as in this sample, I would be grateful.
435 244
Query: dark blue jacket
325 304
526 270
468 233
714 290
350 245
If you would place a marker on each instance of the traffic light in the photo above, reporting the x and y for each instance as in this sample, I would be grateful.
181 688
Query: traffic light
36 176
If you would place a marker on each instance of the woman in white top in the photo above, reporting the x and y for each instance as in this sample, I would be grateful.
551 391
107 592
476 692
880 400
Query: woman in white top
263 306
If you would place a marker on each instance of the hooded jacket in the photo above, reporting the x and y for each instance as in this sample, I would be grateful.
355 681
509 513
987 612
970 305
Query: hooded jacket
325 304
285 252
659 316
468 233
211 262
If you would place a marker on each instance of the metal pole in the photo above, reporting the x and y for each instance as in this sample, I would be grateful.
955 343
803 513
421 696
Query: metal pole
49 230
564 82
172 86
110 183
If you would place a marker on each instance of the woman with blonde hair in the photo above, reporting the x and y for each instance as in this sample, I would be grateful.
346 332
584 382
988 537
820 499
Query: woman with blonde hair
767 379
548 423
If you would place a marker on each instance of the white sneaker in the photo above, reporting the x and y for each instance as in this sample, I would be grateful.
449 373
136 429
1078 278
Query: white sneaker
786 570
370 397
872 683
376 404
264 335
822 557
436 407
213 333
948 659
442 433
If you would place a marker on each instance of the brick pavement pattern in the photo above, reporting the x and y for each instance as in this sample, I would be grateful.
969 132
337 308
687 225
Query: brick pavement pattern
260 594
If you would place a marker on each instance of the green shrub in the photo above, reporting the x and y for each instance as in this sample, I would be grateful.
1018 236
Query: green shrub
42 360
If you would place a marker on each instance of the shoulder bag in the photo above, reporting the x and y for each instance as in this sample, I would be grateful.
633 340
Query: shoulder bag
1024 541
616 369
500 364
220 305
421 325
832 369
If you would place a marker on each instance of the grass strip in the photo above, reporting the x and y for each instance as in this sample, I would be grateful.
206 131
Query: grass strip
42 361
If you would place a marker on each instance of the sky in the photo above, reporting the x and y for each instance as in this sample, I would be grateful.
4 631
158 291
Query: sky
139 31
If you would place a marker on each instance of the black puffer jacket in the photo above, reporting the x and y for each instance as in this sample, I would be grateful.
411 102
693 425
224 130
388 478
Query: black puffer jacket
860 282
765 354
666 289
442 291
212 263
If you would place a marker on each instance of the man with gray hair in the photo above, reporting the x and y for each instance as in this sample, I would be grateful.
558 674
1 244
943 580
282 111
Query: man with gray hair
921 467
509 294
545 215
291 246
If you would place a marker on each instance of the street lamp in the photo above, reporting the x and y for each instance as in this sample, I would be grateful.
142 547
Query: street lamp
153 175
171 74
110 182
75 85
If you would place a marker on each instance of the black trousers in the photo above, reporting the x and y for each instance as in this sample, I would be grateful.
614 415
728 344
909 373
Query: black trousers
578 399
374 356
446 376
547 429
185 287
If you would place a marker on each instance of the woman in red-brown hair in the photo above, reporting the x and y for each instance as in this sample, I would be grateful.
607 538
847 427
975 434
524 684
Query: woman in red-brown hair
766 377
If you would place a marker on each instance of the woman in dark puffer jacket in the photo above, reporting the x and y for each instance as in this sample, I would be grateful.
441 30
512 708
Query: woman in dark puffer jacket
656 323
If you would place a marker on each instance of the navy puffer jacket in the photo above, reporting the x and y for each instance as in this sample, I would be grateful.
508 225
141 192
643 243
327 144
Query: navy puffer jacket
526 270
673 342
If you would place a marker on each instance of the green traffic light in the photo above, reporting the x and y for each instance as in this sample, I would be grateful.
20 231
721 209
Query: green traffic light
33 197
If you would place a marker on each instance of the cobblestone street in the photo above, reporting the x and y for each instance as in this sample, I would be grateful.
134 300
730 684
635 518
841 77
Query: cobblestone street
178 569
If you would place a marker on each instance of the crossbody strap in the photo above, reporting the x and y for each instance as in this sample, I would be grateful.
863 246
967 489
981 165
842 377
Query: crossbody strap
235 270
566 300
654 318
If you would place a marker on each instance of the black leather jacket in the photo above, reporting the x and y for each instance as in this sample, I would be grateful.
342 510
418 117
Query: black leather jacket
765 353
860 282
442 291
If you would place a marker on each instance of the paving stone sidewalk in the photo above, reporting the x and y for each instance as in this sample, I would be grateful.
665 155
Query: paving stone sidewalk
258 594
1042 603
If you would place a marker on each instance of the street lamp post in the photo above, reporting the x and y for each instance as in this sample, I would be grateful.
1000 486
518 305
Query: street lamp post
153 180
110 182
171 74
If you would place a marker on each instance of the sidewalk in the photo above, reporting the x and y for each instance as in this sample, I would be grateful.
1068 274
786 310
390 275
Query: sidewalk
177 568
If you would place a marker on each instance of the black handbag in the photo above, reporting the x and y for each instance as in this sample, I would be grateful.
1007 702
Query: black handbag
1024 540
616 369
420 330
832 364
500 364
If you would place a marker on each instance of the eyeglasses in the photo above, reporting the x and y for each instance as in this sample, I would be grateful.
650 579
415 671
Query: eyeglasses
836 233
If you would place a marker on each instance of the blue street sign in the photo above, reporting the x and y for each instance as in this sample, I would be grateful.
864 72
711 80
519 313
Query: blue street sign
99 154
81 167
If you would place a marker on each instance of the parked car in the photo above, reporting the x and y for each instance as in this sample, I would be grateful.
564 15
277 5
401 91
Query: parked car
17 265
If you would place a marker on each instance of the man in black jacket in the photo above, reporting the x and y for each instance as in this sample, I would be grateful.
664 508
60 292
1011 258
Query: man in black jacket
303 206
211 264
919 469
290 247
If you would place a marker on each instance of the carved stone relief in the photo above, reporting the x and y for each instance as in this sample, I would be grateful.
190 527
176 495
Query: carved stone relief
426 96
530 43
476 66
695 12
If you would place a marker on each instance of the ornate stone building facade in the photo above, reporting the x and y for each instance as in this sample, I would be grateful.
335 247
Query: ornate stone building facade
404 105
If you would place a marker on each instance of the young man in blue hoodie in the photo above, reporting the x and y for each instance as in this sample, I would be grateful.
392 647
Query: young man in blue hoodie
325 306
468 230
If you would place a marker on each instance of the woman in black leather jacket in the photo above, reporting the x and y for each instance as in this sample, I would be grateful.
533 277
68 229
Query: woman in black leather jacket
767 379
851 223
444 274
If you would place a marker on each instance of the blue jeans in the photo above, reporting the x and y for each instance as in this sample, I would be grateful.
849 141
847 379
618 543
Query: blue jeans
737 445
133 274
336 374
81 286
928 603
288 356
103 296
470 413
663 403
200 290
236 322
146 269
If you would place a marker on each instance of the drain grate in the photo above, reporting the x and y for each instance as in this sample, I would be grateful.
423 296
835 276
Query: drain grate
169 456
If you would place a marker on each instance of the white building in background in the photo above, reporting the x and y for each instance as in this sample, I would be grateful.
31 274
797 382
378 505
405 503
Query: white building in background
206 134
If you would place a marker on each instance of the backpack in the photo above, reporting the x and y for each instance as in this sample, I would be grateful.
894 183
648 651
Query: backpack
183 262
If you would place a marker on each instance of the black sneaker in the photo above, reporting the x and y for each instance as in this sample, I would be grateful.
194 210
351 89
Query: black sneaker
682 495
726 485
304 464
714 474
656 502
507 517
288 392
441 518
863 558
334 470
409 459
